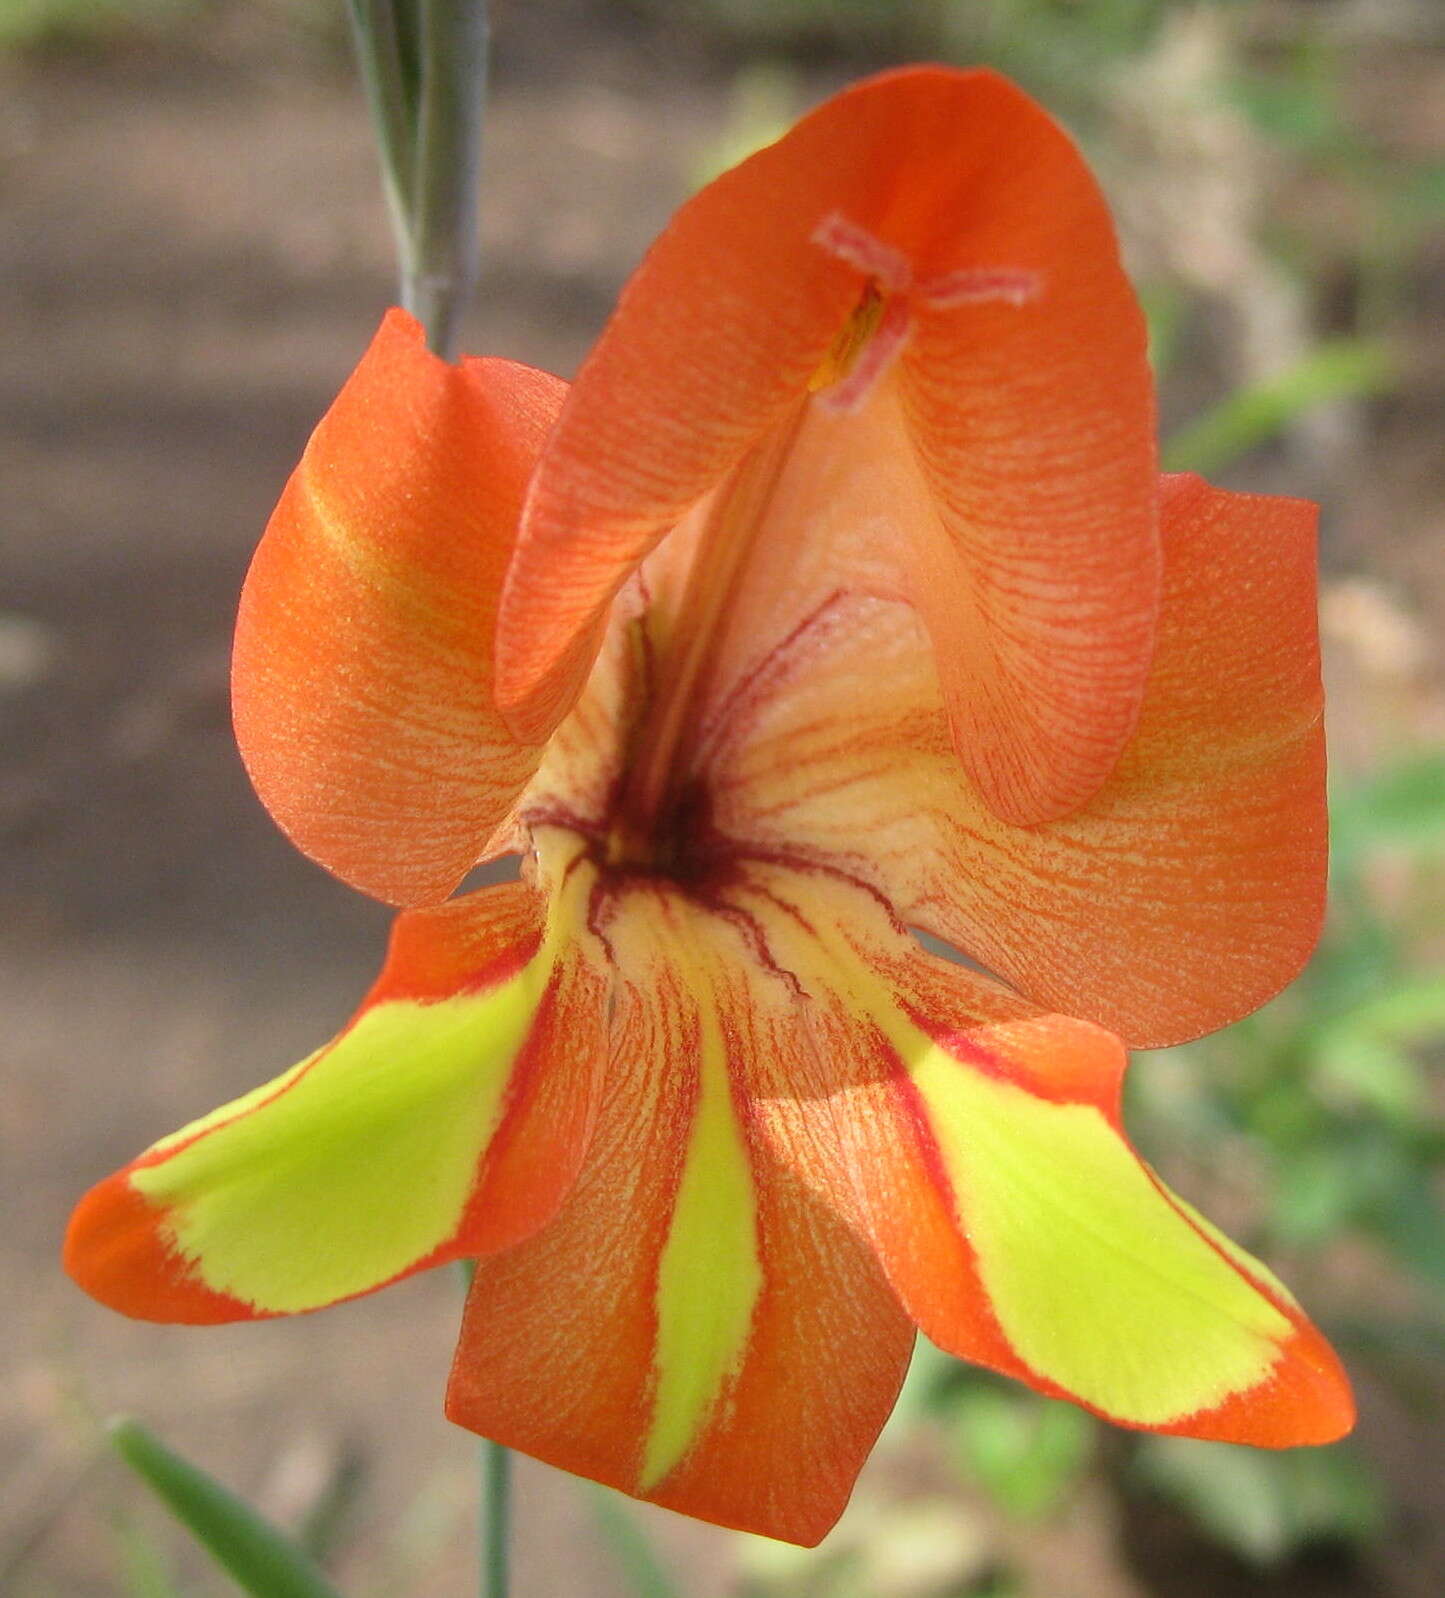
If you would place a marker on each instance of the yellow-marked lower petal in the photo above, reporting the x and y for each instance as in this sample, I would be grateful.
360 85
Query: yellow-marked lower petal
1246 1261
361 1166
1097 1282
448 1118
1017 1224
696 1325
710 1275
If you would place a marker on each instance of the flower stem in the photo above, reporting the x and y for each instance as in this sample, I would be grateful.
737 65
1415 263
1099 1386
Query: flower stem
390 84
424 65
496 1516
495 1527
442 272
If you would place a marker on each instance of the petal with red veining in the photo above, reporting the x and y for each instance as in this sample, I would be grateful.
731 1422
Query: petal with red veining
448 1119
362 670
1022 422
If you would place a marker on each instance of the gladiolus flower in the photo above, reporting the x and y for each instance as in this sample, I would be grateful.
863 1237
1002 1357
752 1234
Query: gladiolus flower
837 598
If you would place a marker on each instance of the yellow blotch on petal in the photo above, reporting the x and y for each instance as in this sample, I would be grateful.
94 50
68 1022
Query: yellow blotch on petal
1101 1281
355 1165
358 1163
710 1274
1098 1282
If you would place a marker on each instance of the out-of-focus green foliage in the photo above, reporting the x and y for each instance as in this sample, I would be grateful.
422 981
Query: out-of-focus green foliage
1026 1453
261 1559
39 25
1341 368
636 1559
1264 1507
1400 809
25 23
762 104
144 1568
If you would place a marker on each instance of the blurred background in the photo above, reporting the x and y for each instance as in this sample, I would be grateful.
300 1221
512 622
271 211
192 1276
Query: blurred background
193 254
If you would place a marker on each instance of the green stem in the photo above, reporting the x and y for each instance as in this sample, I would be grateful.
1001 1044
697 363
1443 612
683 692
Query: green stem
424 64
495 1528
445 257
496 1516
391 98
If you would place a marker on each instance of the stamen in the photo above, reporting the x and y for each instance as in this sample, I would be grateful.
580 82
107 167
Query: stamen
872 360
890 269
980 286
871 340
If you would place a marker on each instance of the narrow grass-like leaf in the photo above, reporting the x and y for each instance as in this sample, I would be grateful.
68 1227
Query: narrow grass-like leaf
144 1573
1343 368
260 1558
631 1548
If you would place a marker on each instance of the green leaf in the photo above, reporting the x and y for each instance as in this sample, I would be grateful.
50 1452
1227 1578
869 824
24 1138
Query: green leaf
145 1573
261 1559
1264 1507
631 1547
931 1377
1301 113
1025 1452
1408 1219
1402 807
1364 1069
1410 1012
1359 957
1166 308
328 1520
1337 369
1315 1193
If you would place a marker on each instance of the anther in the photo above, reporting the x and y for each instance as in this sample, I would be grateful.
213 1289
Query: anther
872 360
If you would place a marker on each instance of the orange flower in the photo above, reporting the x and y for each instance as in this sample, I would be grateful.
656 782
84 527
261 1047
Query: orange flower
926 645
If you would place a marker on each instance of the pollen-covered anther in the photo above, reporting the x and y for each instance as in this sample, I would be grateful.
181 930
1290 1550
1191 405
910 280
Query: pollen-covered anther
870 357
883 319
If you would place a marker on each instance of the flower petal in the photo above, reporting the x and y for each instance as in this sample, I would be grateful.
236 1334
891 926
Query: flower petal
1187 892
695 1327
982 1140
447 1119
1025 430
362 674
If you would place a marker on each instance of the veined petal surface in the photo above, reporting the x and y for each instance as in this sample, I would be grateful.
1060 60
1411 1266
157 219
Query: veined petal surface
1187 892
1022 421
977 1140
696 1327
362 672
446 1120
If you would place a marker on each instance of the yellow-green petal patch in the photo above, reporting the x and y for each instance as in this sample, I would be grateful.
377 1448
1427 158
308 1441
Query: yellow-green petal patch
710 1275
354 1165
1099 1284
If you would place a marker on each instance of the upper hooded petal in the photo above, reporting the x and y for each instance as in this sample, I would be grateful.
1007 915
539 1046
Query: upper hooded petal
447 1119
362 672
1027 428
1189 889
697 1327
